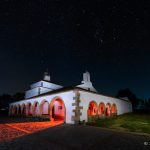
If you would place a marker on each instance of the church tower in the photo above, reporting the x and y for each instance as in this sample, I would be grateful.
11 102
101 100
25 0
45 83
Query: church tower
46 76
86 77
86 82
42 86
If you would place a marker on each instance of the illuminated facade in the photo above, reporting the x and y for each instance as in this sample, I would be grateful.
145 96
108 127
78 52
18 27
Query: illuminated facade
70 104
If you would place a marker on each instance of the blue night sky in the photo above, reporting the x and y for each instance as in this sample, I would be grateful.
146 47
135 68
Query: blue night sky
110 39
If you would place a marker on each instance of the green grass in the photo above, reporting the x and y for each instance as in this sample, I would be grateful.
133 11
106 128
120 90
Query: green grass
127 122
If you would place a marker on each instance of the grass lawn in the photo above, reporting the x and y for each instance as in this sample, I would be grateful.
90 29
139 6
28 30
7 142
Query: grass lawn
133 122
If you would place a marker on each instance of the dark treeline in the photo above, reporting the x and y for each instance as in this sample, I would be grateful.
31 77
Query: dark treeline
5 99
137 103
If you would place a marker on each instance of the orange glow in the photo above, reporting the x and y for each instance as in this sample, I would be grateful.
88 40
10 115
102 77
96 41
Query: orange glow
114 108
10 131
101 109
92 110
29 109
108 110
57 110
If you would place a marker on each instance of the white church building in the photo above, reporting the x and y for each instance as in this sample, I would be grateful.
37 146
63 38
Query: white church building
69 104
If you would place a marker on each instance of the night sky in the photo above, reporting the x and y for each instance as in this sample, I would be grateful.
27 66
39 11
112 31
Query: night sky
110 39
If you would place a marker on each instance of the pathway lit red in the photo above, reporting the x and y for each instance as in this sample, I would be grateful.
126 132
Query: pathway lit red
11 131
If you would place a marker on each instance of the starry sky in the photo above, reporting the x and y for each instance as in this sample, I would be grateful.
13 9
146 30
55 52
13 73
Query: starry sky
110 39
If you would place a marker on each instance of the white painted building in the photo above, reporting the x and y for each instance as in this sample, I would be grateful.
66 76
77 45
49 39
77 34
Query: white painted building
70 104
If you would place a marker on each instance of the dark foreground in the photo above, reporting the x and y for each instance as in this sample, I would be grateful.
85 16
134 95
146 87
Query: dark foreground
68 137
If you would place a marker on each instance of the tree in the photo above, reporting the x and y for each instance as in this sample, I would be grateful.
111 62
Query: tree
18 96
131 96
149 102
5 99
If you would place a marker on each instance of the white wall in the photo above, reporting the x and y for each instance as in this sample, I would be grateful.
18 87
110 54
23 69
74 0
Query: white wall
45 108
87 86
32 93
37 84
44 90
46 85
86 98
67 97
51 85
41 87
36 92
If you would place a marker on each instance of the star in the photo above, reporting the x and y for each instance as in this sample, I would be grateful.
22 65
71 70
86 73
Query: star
48 22
114 38
83 11
101 41
78 24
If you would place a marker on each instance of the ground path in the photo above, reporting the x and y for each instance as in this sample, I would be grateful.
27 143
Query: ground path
68 137
13 128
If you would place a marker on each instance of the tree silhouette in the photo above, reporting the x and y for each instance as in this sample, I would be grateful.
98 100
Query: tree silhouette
18 96
5 99
131 96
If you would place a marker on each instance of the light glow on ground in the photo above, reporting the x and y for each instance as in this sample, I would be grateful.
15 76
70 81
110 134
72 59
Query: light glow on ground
11 131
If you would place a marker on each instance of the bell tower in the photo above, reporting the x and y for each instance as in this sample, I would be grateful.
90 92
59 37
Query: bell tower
86 82
86 77
46 76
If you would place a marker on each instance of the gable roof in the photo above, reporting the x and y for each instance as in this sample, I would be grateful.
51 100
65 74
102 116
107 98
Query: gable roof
69 88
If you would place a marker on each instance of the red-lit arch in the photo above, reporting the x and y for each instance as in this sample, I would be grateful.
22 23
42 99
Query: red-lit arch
92 109
44 107
15 111
108 109
114 109
57 109
36 108
23 109
19 110
12 110
29 109
101 109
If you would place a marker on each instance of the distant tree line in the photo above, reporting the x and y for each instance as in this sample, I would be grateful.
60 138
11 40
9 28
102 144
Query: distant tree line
137 103
5 99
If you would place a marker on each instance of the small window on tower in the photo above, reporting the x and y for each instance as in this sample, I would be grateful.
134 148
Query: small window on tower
88 89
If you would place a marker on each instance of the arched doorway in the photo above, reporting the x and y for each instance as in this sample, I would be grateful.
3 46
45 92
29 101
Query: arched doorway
15 110
57 110
36 109
108 109
44 107
24 109
12 110
29 109
114 109
92 109
101 109
19 110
